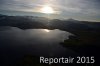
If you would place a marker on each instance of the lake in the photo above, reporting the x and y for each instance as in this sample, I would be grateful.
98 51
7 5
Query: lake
15 43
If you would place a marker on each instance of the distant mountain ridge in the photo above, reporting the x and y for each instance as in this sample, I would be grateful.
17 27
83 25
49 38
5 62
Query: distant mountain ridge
27 22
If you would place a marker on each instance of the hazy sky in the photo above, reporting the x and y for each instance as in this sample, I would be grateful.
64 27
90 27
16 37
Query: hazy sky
77 9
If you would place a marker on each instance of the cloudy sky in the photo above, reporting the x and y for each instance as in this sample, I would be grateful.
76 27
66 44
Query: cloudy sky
77 9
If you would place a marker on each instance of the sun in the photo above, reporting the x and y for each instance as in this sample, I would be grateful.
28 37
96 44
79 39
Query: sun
47 10
46 30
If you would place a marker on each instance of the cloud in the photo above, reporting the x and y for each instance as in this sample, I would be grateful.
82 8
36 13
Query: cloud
83 7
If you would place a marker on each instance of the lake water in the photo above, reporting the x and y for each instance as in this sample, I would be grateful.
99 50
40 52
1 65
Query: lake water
15 42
